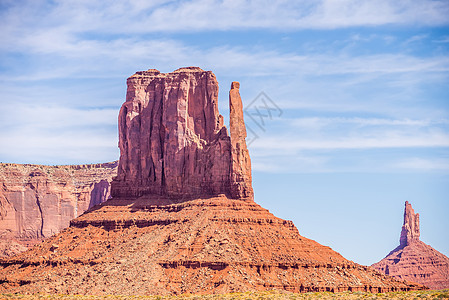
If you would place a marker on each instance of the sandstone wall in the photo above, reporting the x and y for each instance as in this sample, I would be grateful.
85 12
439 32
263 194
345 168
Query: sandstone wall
38 201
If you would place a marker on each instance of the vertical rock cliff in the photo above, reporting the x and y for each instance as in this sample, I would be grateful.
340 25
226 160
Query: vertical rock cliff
173 141
414 260
38 201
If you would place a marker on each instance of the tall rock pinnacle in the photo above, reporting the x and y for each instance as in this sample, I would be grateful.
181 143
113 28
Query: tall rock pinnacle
410 229
241 162
173 142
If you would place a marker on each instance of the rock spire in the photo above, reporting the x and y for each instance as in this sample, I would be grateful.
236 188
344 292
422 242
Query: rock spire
173 141
410 229
241 162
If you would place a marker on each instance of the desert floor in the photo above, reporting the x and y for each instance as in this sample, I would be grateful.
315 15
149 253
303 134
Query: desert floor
415 295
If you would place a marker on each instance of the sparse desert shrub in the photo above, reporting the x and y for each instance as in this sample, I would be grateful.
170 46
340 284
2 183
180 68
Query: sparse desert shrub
443 295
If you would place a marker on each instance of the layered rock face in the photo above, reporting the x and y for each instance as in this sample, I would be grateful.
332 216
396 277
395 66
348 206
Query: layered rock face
38 201
180 220
173 141
414 260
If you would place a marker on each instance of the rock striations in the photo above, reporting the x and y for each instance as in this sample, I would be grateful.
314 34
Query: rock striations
182 219
173 141
414 260
38 201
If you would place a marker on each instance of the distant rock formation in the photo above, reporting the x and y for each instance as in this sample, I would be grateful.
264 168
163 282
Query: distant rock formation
414 260
38 201
173 141
182 219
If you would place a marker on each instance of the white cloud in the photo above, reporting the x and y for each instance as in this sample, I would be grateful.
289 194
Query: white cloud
140 17
423 164
346 13
55 117
319 122
387 140
334 133
99 38
297 163
99 58
391 153
443 40
416 38
206 15
48 134
28 145
350 144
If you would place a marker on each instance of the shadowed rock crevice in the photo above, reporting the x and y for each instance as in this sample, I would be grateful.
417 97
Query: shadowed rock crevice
99 193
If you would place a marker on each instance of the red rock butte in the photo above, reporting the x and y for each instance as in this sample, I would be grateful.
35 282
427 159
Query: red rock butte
414 260
182 218
173 141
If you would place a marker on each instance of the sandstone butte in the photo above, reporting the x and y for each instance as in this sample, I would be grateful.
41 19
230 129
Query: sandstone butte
414 260
38 201
182 218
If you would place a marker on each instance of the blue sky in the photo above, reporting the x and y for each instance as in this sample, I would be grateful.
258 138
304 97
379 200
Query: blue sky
361 87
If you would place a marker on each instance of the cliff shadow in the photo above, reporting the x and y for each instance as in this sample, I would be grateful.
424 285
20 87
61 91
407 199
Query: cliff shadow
100 193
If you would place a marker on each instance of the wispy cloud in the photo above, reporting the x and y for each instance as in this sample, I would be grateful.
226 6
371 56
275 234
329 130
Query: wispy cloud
76 146
206 15
319 122
47 134
41 117
100 38
319 144
98 58
416 38
423 164
385 140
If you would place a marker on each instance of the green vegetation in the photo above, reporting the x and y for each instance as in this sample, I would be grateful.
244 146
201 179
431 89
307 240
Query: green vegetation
414 295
